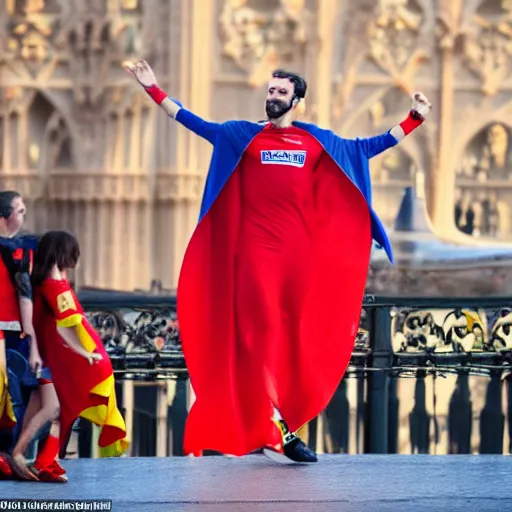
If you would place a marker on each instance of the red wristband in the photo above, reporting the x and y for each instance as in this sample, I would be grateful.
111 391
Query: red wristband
412 122
157 95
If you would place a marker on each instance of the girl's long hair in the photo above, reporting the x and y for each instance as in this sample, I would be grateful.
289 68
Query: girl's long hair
54 248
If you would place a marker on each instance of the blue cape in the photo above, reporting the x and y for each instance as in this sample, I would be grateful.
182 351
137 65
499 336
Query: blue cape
231 139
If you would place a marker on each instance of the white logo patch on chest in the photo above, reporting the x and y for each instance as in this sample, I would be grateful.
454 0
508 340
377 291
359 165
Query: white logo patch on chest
281 157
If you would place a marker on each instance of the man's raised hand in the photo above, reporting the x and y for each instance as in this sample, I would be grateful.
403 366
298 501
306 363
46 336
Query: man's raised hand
421 105
418 113
144 75
142 72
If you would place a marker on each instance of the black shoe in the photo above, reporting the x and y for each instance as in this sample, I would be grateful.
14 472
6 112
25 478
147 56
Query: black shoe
294 449
298 451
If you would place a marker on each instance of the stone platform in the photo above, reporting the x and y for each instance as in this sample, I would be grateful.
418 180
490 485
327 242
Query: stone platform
337 483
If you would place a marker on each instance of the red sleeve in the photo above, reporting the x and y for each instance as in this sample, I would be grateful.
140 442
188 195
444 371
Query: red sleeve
156 94
411 122
60 298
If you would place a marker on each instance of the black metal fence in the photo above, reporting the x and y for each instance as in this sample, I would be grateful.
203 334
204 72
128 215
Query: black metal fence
404 339
426 339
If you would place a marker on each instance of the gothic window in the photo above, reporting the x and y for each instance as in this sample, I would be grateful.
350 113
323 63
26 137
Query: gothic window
39 114
49 141
484 184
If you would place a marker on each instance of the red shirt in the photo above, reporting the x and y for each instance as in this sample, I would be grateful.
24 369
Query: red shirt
277 180
10 310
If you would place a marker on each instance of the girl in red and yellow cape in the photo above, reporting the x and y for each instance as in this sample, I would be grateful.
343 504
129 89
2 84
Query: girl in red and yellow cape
80 370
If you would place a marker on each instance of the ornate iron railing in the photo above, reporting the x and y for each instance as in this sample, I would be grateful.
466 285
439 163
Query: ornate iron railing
141 334
398 337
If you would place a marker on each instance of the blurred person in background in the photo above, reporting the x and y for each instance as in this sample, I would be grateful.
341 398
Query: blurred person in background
20 360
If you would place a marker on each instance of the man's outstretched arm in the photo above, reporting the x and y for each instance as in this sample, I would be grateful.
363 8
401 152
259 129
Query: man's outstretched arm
373 146
173 108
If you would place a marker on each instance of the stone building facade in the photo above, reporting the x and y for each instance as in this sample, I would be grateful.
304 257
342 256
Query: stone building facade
92 154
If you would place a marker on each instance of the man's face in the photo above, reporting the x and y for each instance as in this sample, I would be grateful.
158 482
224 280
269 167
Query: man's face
17 217
279 97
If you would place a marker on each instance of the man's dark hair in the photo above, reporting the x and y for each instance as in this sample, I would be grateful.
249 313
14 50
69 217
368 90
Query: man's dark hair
6 199
55 248
299 84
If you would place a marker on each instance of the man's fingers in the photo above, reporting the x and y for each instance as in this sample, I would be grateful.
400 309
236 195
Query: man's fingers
129 66
136 68
422 101
421 98
141 71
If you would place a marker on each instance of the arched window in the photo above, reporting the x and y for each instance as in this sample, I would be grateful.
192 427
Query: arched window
484 184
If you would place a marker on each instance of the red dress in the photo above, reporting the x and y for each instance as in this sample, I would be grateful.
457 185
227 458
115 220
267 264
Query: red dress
281 341
83 389
273 258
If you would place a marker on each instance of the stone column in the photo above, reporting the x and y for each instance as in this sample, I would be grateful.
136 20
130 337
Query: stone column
327 14
186 159
442 186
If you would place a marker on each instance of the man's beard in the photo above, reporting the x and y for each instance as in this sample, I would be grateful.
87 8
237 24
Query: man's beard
277 108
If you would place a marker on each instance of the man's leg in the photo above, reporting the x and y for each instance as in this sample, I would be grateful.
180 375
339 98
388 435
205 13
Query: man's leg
20 383
21 379
6 412
13 366
261 280
257 317
295 286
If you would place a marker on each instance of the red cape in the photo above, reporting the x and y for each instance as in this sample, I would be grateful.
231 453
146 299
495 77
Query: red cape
230 415
83 389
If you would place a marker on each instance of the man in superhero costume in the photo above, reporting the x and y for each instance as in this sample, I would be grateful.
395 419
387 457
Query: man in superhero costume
272 282
19 355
